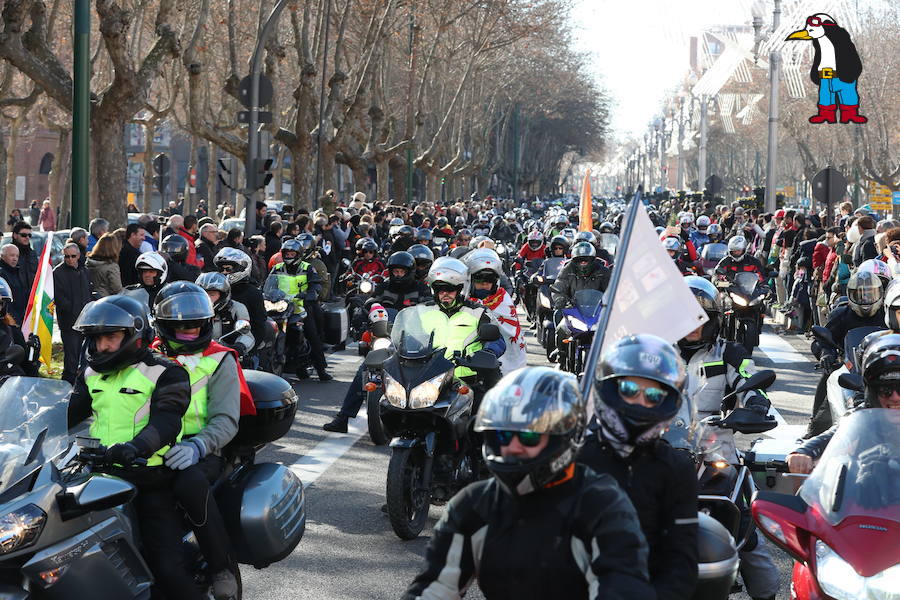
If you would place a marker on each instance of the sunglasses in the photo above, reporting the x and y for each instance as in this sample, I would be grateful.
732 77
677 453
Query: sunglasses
226 269
529 439
886 391
71 255
25 235
630 389
443 287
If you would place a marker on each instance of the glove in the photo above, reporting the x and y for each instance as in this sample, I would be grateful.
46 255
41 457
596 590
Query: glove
183 455
240 349
122 454
758 404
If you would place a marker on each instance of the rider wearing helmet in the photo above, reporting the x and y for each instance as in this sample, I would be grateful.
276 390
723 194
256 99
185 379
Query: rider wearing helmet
403 238
424 258
673 246
227 313
559 247
300 279
463 238
236 265
715 368
119 360
175 248
501 230
714 233
738 260
424 237
574 526
367 261
153 272
700 236
442 228
486 272
532 249
184 317
637 399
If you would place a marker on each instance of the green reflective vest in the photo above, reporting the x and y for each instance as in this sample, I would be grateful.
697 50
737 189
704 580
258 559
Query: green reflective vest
458 333
120 402
200 368
293 285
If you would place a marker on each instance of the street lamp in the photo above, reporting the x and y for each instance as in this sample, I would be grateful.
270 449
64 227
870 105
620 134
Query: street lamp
758 10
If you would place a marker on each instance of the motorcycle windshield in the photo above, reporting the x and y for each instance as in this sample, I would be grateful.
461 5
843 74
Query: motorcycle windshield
588 302
552 267
853 342
534 265
746 282
714 252
859 474
416 337
274 288
33 425
609 242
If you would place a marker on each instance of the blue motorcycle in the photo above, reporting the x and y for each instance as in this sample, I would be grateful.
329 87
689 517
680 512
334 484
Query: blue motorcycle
580 322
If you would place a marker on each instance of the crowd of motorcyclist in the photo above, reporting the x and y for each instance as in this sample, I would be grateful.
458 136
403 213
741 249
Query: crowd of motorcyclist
161 374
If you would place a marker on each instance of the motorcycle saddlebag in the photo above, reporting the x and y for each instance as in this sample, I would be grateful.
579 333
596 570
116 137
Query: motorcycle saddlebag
337 323
264 509
717 559
276 404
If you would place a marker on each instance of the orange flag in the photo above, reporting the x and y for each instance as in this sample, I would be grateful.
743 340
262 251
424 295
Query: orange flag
585 223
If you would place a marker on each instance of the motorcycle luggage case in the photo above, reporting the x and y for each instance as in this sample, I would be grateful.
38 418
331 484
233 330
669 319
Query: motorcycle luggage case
767 461
276 404
264 509
337 323
717 560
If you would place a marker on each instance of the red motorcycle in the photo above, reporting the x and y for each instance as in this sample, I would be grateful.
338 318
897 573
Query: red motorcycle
843 527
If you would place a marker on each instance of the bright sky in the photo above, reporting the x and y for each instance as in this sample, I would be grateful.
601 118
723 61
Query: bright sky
640 48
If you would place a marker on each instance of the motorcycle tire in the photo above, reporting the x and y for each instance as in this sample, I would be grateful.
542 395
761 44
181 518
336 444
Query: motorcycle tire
373 412
407 504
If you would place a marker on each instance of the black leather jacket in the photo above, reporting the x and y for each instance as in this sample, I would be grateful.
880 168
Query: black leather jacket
563 289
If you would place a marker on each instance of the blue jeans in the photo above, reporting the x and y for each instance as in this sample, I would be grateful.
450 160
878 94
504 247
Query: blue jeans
829 89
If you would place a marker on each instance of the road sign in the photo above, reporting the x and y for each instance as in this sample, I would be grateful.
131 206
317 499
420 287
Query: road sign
895 198
879 196
790 191
266 91
829 185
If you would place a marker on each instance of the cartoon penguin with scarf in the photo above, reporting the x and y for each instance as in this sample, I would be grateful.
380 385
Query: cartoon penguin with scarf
835 69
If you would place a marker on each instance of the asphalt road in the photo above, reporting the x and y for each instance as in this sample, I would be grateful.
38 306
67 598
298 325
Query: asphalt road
349 550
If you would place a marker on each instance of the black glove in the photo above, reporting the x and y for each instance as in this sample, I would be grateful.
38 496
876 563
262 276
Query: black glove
122 454
875 477
240 349
757 404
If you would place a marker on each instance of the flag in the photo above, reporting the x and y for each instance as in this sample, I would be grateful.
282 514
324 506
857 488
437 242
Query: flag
40 311
585 222
652 296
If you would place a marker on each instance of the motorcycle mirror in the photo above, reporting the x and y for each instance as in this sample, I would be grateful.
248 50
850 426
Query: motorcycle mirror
375 359
779 517
746 421
852 382
15 354
481 360
488 332
346 262
100 492
759 380
823 336
242 325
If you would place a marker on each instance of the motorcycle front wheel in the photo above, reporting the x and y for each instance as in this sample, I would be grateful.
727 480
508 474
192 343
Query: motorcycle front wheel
373 413
407 501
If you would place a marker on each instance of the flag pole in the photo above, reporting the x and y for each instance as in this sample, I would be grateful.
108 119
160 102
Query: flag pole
609 295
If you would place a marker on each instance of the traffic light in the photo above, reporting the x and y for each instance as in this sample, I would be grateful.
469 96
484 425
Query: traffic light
161 168
227 173
261 173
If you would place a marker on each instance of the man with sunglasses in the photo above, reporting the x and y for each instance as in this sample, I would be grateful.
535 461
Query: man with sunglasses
28 258
542 526
639 387
72 292
716 367
367 261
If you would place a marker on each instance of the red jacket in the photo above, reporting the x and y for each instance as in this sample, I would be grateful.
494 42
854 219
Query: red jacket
820 254
830 261
528 254
192 258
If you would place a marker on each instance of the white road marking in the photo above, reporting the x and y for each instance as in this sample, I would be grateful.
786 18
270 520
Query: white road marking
778 350
310 466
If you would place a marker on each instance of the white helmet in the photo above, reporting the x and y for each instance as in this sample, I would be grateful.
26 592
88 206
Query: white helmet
737 244
450 271
878 267
702 223
686 218
891 306
153 261
672 244
237 261
481 259
535 239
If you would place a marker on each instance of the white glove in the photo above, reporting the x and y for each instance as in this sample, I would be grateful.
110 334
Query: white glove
183 455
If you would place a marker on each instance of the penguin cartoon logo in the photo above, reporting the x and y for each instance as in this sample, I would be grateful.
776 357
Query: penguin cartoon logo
835 69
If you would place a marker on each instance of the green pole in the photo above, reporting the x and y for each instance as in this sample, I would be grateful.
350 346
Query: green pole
81 114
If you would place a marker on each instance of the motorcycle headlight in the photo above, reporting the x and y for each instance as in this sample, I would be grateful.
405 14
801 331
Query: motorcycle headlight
394 392
381 343
576 322
545 301
366 287
840 580
426 393
276 307
738 300
21 528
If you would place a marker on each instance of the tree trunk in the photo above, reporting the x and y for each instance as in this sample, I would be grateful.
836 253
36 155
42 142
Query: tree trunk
432 187
212 168
15 127
3 158
382 176
111 164
300 180
398 173
327 169
57 173
147 194
190 197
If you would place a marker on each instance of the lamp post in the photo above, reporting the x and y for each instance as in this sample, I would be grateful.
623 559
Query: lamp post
774 87
701 154
81 114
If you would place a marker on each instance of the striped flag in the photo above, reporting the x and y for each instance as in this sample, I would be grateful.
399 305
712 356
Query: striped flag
585 222
40 311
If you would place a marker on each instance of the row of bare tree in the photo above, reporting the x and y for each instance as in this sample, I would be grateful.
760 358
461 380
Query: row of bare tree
473 88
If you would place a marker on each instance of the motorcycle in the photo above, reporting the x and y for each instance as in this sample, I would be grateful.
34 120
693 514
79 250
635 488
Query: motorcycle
428 413
581 320
842 528
288 318
526 290
359 288
723 484
744 319
69 528
543 279
710 256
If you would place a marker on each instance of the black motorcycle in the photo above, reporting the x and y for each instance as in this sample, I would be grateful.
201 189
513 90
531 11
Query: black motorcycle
745 295
288 317
543 279
68 530
429 413
526 288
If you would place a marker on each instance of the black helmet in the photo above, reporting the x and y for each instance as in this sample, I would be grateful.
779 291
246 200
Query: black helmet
110 314
881 366
423 257
441 222
291 245
424 235
539 400
406 231
498 220
216 282
184 305
364 245
307 245
176 247
586 236
5 297
708 297
403 260
645 356
559 241
583 254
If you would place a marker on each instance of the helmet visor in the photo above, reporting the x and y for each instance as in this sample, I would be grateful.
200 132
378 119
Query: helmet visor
185 307
865 294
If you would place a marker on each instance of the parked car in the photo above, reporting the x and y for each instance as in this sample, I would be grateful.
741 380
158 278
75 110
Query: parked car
39 239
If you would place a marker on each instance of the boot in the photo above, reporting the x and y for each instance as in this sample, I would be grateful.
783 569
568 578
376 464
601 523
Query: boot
324 375
849 114
827 114
302 373
224 585
338 424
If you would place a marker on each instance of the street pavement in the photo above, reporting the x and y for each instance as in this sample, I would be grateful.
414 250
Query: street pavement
349 550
